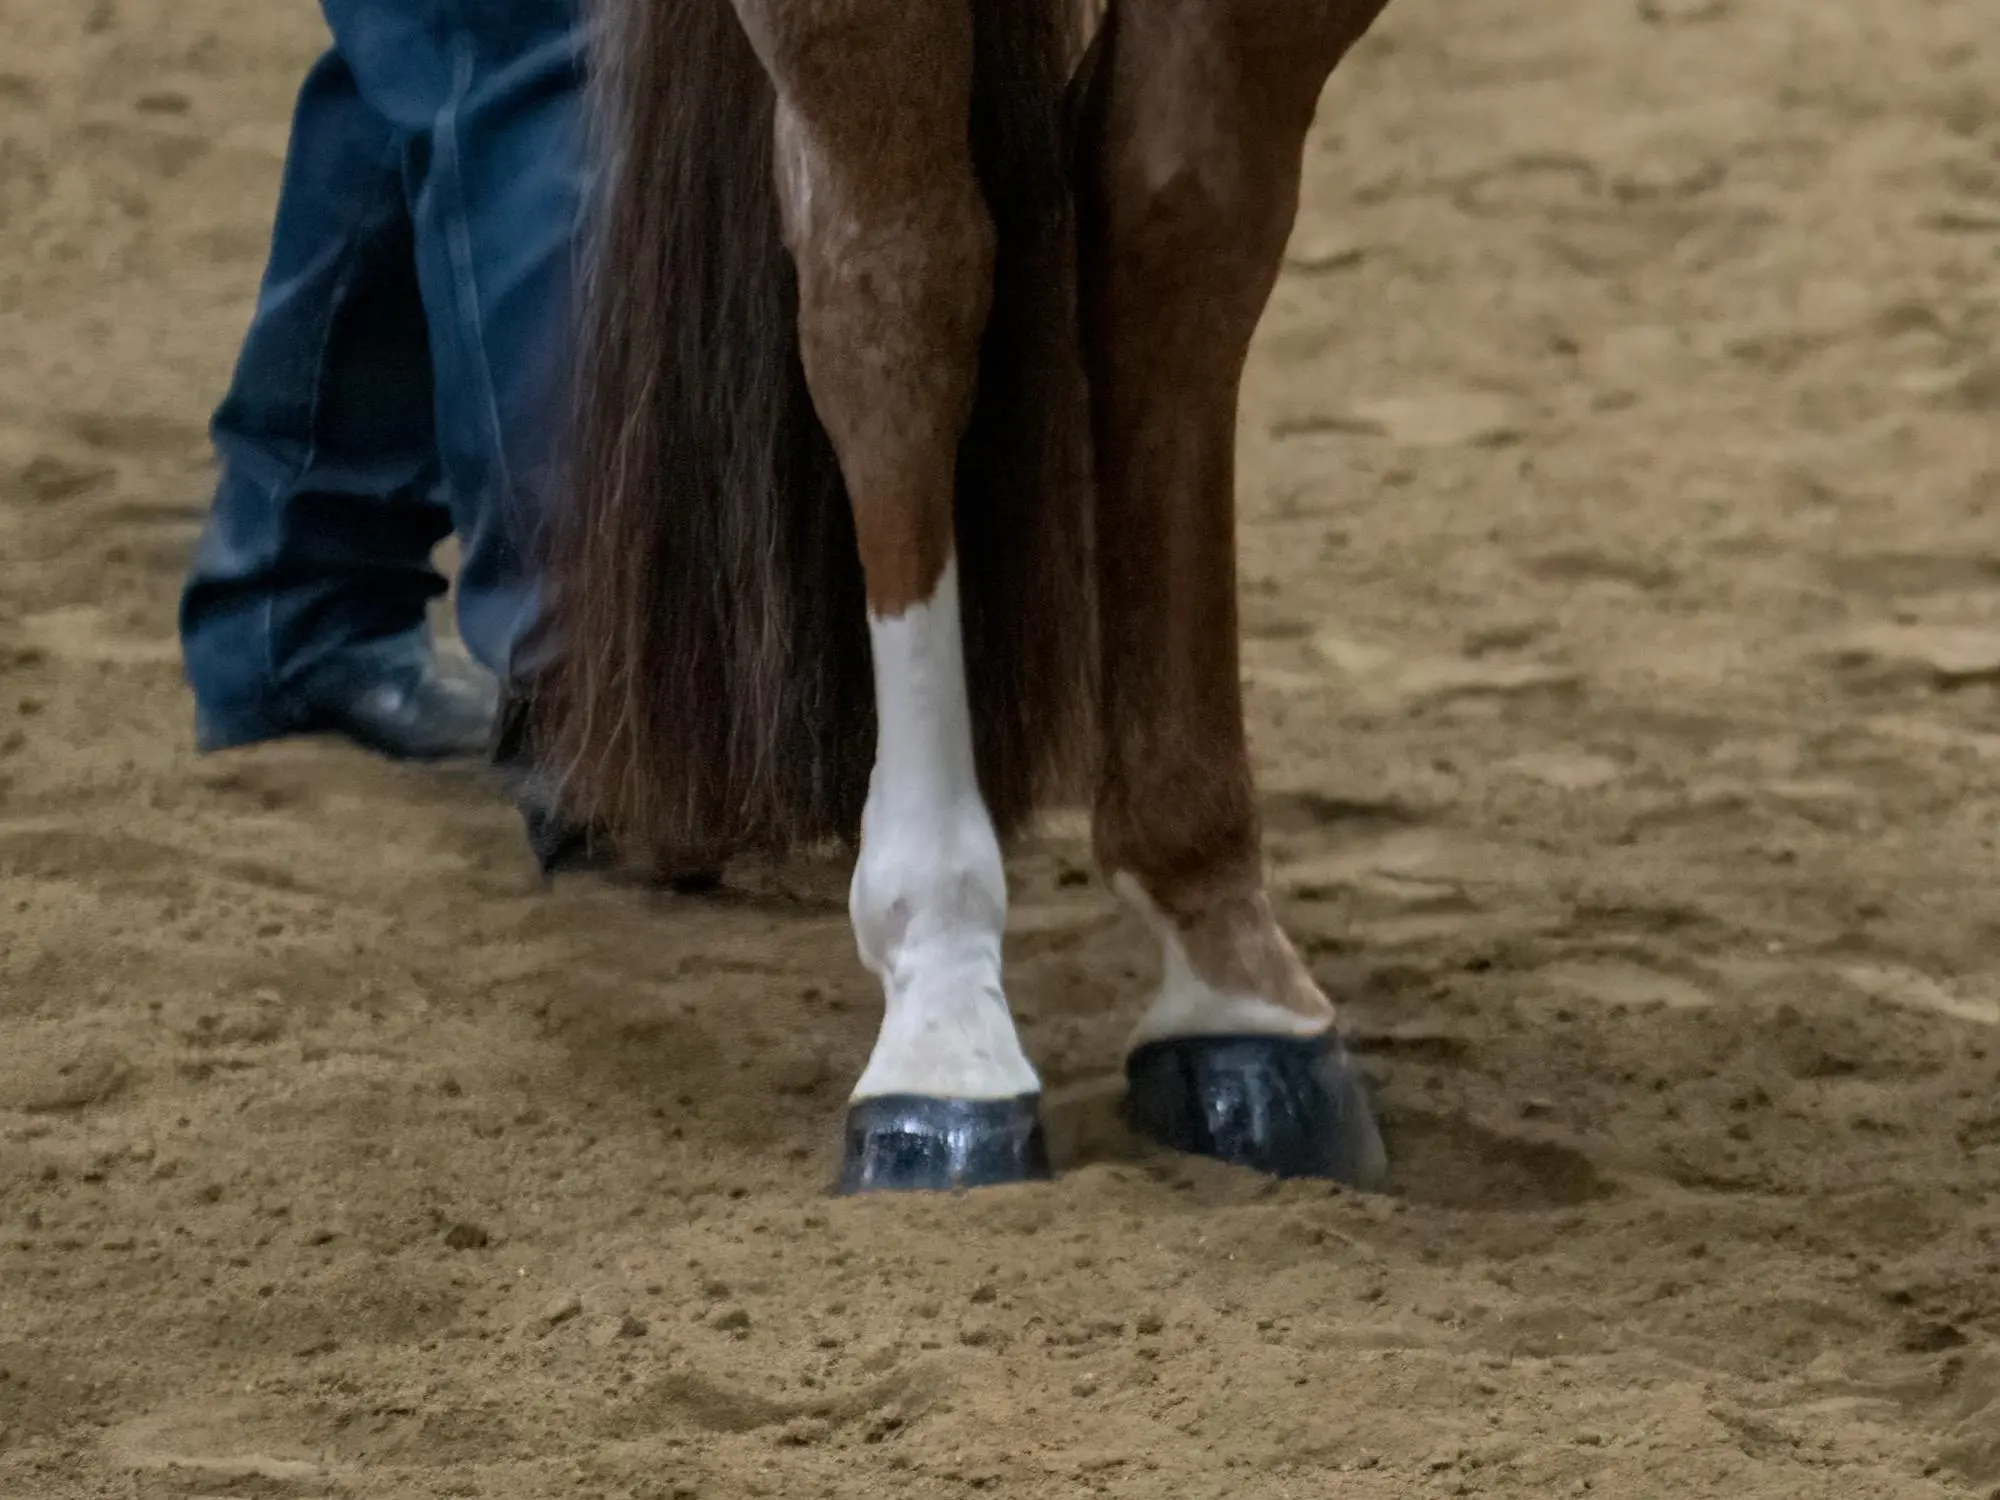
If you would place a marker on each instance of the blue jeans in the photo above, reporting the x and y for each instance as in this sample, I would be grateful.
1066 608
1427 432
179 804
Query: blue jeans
403 375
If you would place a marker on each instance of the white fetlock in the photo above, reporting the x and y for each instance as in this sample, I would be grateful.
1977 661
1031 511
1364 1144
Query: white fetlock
1187 1005
929 896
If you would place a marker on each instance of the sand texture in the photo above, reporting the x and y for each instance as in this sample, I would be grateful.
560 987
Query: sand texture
1621 564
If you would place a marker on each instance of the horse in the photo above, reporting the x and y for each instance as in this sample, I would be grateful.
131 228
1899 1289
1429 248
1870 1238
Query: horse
901 505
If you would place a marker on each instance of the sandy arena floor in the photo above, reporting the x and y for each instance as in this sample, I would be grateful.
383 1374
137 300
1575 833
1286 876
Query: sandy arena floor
1621 487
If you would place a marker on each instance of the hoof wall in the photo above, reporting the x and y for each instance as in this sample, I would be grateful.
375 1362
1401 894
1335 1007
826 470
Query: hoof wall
1283 1105
909 1143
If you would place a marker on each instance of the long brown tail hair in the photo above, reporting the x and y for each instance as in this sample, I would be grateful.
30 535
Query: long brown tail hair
711 686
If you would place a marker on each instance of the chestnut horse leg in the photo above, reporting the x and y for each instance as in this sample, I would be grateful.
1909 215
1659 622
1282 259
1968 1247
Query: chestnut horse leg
894 248
1194 118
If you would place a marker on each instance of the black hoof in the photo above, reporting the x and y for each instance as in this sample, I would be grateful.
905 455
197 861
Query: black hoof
909 1143
1284 1105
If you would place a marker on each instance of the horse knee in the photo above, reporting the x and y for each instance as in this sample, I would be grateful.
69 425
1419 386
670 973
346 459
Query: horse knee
895 265
1200 110
875 173
906 245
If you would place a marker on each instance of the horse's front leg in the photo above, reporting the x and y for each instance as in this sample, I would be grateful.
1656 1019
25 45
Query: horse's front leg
1194 120
894 249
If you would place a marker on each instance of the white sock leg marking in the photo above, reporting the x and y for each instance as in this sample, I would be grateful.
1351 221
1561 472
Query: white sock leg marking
929 899
1188 1005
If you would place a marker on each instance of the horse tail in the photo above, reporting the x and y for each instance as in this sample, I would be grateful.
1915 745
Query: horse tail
710 688
1026 528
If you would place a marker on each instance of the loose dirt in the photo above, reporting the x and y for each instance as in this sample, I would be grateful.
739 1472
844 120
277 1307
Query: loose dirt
1621 472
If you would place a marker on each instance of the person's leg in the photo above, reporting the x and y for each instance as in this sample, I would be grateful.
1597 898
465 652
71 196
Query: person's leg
304 608
491 95
512 158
